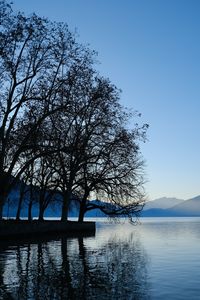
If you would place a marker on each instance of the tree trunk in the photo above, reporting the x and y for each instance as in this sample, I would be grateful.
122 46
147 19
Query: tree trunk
3 197
83 207
41 214
19 209
81 214
22 192
1 206
65 206
30 210
3 193
30 204
41 205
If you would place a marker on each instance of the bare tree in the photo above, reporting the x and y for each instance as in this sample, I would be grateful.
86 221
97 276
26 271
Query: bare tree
114 173
101 155
46 183
36 57
54 104
111 163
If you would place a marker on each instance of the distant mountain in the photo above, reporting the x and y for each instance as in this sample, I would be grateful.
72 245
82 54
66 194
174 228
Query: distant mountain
189 207
162 203
156 212
183 208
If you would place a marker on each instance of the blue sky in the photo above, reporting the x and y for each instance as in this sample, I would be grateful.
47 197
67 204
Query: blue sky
150 50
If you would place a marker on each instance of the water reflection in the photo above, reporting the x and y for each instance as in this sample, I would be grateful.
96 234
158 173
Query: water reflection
111 267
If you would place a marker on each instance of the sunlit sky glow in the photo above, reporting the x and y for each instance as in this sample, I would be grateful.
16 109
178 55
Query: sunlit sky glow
150 50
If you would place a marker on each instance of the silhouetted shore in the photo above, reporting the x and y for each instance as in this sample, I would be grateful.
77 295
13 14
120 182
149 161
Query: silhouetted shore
23 228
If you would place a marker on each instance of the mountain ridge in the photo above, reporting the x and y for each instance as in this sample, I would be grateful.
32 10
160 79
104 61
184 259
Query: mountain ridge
164 203
185 208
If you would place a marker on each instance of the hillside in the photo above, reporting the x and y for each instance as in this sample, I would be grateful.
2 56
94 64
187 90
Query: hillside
162 203
189 207
183 208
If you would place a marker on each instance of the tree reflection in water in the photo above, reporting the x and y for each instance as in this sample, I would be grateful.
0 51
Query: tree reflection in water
74 268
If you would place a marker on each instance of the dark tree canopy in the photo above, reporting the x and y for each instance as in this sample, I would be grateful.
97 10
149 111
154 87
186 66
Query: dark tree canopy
62 120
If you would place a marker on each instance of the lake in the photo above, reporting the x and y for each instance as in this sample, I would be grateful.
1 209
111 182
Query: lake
157 259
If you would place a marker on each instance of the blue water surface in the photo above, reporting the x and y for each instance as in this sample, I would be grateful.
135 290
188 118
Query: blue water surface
159 258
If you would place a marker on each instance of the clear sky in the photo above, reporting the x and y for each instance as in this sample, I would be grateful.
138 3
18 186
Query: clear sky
150 50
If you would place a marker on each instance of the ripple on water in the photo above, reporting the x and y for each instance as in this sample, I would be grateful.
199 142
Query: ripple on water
155 260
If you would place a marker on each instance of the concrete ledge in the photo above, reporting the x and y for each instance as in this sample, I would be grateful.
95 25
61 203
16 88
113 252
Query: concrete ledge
23 228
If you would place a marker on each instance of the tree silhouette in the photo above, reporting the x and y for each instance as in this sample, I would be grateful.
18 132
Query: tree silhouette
63 121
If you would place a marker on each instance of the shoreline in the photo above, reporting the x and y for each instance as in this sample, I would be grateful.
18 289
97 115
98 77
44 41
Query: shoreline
23 228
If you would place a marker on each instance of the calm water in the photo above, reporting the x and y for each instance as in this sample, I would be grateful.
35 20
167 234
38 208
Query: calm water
159 259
